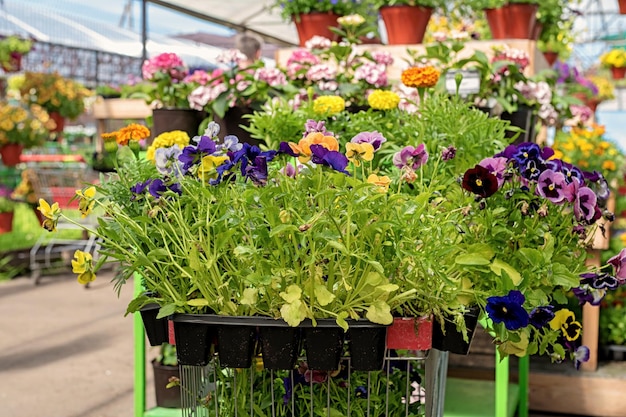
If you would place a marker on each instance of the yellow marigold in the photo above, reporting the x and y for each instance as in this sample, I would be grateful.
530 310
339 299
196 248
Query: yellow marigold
383 100
420 77
328 105
167 139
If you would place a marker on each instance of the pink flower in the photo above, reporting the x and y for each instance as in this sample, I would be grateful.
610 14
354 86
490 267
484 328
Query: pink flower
320 72
374 74
199 76
272 76
374 138
168 63
382 57
231 57
317 42
302 56
410 156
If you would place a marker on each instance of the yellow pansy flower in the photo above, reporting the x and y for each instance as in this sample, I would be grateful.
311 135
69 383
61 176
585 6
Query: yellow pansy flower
382 182
86 202
207 170
82 264
357 152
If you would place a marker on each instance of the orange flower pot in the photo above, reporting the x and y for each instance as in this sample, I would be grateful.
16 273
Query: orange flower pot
316 24
618 73
405 25
11 154
6 222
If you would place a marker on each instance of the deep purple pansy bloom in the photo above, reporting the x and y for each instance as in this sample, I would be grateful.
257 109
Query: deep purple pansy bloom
480 181
139 188
448 154
586 294
585 204
286 149
257 171
600 281
540 316
335 160
508 309
192 155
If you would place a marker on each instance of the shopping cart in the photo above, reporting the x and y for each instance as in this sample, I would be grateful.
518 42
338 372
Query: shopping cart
58 182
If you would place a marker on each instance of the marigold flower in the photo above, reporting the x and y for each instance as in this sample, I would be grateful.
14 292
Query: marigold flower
166 140
83 266
328 105
420 77
383 100
609 165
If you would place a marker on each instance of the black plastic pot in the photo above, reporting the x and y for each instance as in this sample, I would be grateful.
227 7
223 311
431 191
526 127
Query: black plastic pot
324 345
525 119
280 346
156 329
193 341
165 397
452 341
233 122
236 345
367 347
168 119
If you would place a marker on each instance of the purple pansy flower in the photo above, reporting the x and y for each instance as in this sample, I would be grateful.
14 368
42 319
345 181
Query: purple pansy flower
619 265
586 294
552 185
540 316
585 204
508 309
166 161
335 160
448 154
139 188
581 355
312 126
284 148
496 166
192 155
599 281
409 156
374 138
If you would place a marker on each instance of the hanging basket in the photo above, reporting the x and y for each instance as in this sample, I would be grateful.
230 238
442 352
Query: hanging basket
405 25
11 154
316 24
551 57
14 64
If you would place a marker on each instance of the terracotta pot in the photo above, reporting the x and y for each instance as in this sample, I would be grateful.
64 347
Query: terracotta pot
14 63
316 24
622 6
551 57
11 154
6 222
405 25
592 103
497 22
537 29
512 21
59 120
618 73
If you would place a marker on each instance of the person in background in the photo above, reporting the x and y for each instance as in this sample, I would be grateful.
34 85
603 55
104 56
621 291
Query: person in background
250 46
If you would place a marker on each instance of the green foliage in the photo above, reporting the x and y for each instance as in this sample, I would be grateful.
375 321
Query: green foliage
613 319
167 355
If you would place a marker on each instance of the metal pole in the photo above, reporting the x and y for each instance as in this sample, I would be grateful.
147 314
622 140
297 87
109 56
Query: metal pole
436 374
144 31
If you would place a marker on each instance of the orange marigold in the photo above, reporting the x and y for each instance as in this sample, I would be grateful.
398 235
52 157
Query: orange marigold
420 77
133 131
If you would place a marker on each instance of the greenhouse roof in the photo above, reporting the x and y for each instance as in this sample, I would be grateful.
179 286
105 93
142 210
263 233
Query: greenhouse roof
76 31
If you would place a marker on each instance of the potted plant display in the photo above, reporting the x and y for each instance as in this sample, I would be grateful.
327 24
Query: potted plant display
12 49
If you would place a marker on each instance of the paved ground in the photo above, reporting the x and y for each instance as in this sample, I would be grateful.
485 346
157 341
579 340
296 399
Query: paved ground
66 351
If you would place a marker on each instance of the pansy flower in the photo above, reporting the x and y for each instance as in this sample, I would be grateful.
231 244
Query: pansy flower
508 309
86 202
410 156
323 156
552 186
587 294
581 355
496 166
207 170
167 162
192 155
599 281
480 181
51 214
619 265
357 152
565 321
82 264
541 316
303 148
382 182
374 138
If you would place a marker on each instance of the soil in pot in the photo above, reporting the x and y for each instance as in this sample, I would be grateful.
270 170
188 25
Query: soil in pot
324 347
280 347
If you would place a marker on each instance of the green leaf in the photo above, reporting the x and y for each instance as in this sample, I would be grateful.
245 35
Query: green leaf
561 275
339 246
497 266
379 312
292 294
323 296
341 320
198 302
167 310
471 259
293 313
220 105
250 296
532 256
